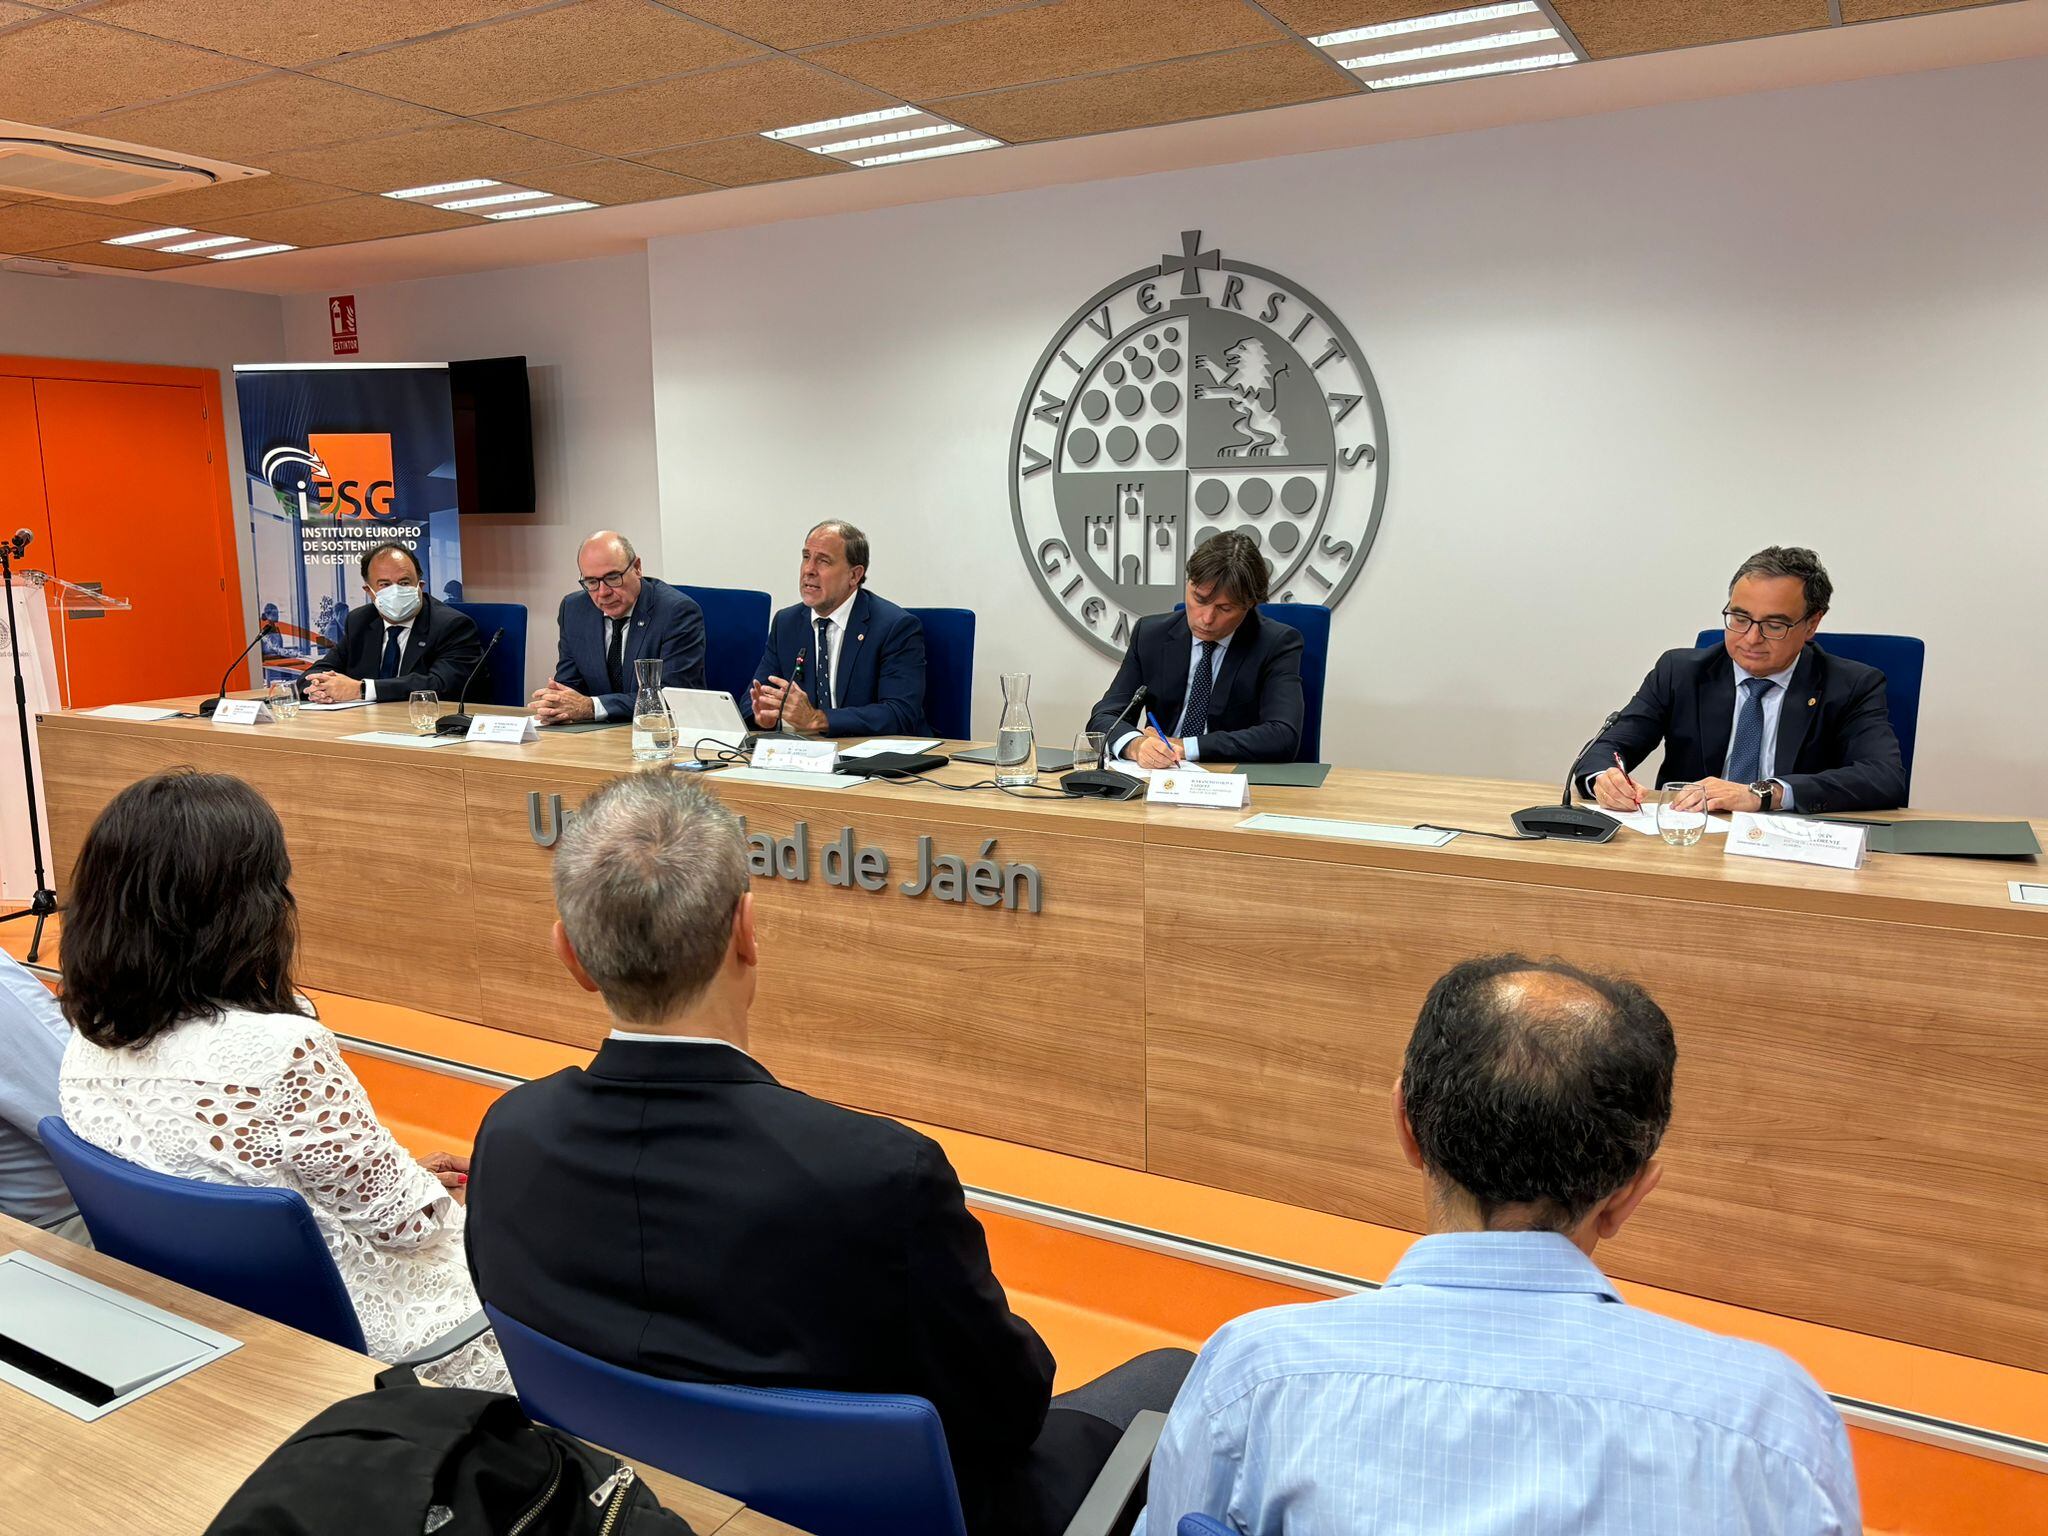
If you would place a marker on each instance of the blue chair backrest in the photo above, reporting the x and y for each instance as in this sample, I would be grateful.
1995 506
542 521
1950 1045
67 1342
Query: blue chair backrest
1202 1525
255 1248
948 671
1313 620
505 668
831 1463
735 633
1901 658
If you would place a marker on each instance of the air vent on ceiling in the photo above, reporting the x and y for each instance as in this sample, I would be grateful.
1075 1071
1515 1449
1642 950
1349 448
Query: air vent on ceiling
74 168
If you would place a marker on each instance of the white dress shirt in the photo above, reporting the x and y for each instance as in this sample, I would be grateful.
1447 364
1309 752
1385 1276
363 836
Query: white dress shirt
634 1034
839 618
1774 706
404 639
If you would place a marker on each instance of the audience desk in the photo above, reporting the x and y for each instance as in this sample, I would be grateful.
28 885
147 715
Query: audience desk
1861 1135
167 1462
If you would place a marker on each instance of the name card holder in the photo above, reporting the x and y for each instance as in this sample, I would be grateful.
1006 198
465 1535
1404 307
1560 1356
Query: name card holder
512 730
1830 844
795 754
1217 791
243 712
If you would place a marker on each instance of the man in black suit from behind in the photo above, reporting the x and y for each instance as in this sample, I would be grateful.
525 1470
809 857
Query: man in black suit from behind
1225 682
399 642
1764 721
675 1210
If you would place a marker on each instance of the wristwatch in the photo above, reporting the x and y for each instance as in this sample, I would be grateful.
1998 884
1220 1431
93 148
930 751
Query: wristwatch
1766 793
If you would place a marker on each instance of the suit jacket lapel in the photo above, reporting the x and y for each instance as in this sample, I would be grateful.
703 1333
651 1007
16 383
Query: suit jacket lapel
1173 673
1795 712
416 638
857 619
1714 698
1241 645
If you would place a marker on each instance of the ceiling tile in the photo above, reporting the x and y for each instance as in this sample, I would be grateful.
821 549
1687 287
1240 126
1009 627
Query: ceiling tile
744 161
801 23
613 181
1608 28
133 258
64 69
746 98
1156 93
1312 18
342 223
255 123
259 194
453 152
294 32
10 13
1879 10
44 226
590 46
1050 42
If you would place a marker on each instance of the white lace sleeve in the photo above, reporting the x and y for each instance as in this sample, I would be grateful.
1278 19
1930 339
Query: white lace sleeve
314 1127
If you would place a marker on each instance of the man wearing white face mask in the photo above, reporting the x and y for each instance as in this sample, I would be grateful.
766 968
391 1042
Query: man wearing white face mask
399 642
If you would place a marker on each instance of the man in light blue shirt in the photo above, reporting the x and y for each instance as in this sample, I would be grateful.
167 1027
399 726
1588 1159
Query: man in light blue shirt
1498 1383
32 1038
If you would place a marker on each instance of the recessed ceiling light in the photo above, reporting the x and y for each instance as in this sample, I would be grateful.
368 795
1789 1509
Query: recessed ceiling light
531 213
1515 37
442 188
254 250
835 124
148 235
1498 67
1443 19
211 242
933 152
493 200
1496 41
903 136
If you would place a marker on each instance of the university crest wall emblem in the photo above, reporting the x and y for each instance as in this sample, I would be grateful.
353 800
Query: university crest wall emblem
1187 398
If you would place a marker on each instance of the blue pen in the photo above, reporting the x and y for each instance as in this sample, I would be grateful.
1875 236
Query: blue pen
1154 719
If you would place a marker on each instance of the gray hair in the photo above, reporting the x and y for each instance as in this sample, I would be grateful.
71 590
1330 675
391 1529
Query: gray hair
648 875
1791 560
855 541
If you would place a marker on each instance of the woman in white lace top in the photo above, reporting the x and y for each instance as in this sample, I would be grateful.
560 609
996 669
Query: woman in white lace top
191 1057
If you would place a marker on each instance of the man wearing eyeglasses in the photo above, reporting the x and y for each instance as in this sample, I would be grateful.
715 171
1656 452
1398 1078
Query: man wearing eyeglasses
620 617
1764 721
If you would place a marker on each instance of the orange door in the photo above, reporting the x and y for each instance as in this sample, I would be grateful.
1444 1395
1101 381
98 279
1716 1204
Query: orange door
134 506
21 487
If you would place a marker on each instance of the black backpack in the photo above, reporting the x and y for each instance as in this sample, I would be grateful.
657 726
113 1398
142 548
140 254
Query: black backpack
412 1460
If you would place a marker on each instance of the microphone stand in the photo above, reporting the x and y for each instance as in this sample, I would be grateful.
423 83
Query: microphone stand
1565 821
43 904
457 724
1106 783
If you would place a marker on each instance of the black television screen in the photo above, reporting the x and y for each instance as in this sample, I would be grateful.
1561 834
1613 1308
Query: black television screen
493 435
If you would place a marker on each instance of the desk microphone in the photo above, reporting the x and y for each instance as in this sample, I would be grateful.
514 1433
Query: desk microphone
1107 783
1573 823
18 545
457 724
207 708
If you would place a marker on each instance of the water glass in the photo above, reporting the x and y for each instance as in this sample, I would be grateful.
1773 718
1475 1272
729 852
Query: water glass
283 697
425 708
1088 749
1681 829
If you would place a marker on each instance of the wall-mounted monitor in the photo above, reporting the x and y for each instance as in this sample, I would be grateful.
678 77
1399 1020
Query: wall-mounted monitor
493 436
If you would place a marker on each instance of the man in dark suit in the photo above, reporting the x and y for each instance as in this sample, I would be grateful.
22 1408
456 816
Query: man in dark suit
399 642
1764 721
843 662
620 617
1225 683
675 1210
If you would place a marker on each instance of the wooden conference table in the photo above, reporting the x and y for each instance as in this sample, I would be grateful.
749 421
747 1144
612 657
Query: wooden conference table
1861 1136
167 1462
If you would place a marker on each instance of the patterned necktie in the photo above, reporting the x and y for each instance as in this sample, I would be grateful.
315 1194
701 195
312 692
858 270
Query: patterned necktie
821 695
1194 720
1746 756
615 657
392 653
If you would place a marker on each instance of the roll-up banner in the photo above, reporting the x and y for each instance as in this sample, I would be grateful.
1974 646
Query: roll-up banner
341 457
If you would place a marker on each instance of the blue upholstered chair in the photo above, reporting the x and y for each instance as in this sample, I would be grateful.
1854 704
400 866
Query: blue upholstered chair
735 630
948 671
505 667
258 1249
1202 1525
1313 620
1901 658
831 1463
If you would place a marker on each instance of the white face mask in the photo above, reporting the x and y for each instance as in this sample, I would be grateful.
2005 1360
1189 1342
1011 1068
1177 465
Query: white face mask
398 603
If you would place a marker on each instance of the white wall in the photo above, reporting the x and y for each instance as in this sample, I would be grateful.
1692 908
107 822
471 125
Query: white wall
127 320
583 328
1617 354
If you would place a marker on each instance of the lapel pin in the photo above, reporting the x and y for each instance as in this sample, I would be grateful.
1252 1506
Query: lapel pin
1811 702
860 637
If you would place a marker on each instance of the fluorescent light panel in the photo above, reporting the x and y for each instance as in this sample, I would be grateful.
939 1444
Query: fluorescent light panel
209 243
1493 42
149 236
836 124
848 146
887 143
254 250
933 152
1465 72
531 213
1438 22
443 188
492 201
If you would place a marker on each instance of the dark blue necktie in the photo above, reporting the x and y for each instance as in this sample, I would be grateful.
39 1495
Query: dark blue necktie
1194 720
1746 757
821 695
392 652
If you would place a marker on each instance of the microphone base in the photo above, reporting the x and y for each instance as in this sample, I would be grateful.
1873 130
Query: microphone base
453 725
1568 823
207 707
1103 783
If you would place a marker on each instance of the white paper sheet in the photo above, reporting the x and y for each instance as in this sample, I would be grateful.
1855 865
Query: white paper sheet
328 709
881 744
1355 831
793 778
401 739
132 712
1645 820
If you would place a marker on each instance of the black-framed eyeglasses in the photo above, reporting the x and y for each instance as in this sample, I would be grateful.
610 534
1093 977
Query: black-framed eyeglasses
612 579
1736 622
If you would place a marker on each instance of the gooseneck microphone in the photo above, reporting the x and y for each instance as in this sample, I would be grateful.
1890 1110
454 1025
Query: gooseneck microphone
1574 823
18 545
457 724
269 628
1105 782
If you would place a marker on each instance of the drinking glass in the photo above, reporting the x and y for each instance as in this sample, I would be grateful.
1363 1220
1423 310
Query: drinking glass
425 708
284 699
1088 750
1681 829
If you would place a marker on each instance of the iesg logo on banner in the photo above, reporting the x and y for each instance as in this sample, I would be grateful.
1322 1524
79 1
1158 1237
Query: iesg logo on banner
337 474
1163 413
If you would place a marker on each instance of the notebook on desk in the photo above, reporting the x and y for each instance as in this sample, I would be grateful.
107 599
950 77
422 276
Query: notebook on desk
1967 839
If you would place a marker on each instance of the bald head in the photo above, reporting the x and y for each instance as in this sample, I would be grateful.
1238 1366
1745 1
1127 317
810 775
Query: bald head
609 570
1537 1086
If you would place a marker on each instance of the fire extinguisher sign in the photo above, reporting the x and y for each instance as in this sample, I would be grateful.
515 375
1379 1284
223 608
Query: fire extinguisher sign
341 324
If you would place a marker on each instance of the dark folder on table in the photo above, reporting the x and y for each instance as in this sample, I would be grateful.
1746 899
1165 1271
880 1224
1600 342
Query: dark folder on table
1295 775
1971 839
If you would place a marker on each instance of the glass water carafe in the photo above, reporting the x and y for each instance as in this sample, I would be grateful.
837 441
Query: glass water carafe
1013 732
654 728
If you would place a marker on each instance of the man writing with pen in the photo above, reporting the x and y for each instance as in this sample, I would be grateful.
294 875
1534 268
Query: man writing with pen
1225 682
1763 721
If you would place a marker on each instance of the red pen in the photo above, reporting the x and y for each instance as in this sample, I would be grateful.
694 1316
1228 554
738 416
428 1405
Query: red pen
1626 780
